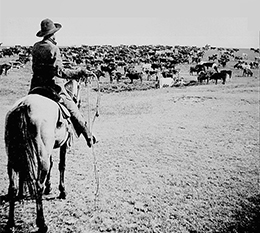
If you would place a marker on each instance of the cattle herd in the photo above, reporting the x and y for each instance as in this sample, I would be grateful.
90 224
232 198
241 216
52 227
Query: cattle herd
155 63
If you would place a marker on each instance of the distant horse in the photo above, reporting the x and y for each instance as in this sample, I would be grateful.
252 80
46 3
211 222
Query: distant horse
33 128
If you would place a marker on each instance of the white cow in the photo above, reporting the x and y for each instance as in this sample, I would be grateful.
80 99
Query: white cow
165 82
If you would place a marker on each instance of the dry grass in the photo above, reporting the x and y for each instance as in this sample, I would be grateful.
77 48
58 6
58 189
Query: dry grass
170 160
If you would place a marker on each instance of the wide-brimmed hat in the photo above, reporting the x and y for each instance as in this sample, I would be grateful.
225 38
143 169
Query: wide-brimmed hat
48 28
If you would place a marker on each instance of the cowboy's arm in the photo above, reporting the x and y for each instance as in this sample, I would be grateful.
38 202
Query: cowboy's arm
71 74
64 73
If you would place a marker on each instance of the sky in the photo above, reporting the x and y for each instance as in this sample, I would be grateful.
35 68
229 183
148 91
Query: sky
220 23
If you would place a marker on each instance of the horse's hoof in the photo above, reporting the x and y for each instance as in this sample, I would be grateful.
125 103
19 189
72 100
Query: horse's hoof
62 195
43 229
9 228
47 190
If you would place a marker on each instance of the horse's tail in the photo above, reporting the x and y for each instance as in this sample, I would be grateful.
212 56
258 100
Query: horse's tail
20 145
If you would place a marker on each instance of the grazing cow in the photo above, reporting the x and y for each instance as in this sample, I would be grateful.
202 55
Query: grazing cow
247 72
246 66
170 73
204 75
207 64
4 68
228 72
165 82
221 76
117 75
109 69
156 66
99 73
150 73
134 76
147 69
238 65
195 59
198 68
193 70
254 65
213 57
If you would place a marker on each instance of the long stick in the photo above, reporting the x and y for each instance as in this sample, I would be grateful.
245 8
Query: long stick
91 136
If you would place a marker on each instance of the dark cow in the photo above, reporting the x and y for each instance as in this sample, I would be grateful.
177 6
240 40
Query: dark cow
169 73
156 66
150 73
109 69
204 75
228 72
4 68
99 74
134 76
247 72
254 65
208 64
198 68
117 75
213 57
238 65
222 76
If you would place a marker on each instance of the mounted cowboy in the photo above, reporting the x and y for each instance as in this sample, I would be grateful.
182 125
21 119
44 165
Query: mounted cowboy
48 72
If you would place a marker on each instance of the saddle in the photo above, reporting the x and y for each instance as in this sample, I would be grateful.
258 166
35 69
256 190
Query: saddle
54 96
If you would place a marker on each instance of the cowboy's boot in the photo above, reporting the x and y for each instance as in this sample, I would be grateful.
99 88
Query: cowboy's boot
82 128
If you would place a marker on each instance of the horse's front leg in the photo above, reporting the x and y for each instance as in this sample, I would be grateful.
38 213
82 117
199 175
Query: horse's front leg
62 165
48 180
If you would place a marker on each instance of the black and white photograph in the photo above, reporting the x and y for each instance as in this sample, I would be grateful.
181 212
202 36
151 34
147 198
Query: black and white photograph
129 116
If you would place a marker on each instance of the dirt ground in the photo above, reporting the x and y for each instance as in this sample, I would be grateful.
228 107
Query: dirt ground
169 160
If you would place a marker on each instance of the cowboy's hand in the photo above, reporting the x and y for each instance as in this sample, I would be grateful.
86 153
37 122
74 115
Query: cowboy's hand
84 74
91 142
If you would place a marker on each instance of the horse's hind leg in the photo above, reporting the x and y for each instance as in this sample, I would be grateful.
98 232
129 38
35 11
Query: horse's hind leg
43 169
11 196
62 165
40 222
48 180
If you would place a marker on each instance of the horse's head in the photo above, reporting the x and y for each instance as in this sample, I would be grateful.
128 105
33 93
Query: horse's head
74 86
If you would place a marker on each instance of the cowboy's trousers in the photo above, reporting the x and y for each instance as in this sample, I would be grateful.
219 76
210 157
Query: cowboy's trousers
77 118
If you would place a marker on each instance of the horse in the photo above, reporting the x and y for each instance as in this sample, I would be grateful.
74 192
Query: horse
31 135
